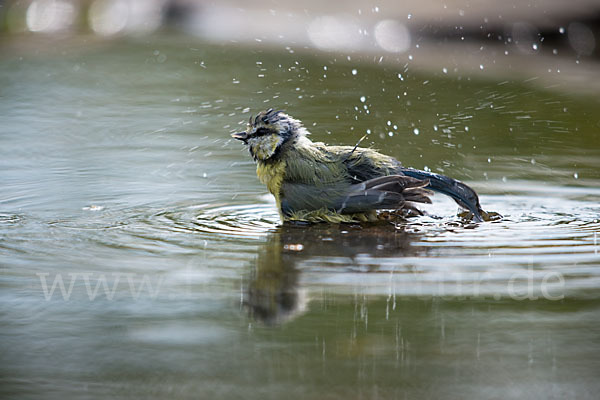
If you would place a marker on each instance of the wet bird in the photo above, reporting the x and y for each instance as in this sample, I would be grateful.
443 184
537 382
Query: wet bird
312 181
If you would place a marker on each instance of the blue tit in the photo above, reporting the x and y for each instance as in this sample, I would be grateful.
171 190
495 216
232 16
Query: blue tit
313 182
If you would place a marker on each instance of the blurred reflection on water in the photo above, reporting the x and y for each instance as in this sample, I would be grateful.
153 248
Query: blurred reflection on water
274 292
141 256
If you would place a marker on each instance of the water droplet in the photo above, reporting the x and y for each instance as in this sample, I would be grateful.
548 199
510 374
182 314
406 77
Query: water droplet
534 46
445 70
390 134
354 72
435 128
363 99
576 175
400 77
481 66
416 131
561 30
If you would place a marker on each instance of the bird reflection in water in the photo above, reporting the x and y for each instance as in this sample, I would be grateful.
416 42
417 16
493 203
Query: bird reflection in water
274 294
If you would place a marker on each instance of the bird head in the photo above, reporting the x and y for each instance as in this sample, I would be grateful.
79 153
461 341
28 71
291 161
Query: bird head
268 131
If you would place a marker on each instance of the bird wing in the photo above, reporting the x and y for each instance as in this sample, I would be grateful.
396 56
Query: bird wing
353 166
365 164
387 192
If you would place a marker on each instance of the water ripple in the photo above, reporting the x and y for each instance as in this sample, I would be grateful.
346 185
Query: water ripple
249 220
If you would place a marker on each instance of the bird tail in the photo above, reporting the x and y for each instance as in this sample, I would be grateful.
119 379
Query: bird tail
462 194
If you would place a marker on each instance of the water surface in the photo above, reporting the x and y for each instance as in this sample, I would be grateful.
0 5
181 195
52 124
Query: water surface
119 180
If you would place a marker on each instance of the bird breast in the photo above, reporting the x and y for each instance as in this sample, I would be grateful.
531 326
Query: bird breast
271 174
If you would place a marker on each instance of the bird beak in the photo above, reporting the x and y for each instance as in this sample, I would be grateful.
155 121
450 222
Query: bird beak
243 136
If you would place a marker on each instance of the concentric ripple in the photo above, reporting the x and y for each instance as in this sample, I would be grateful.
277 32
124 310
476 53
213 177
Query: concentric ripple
183 226
242 220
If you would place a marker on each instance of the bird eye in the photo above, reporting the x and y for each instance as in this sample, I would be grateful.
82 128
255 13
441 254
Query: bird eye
261 132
